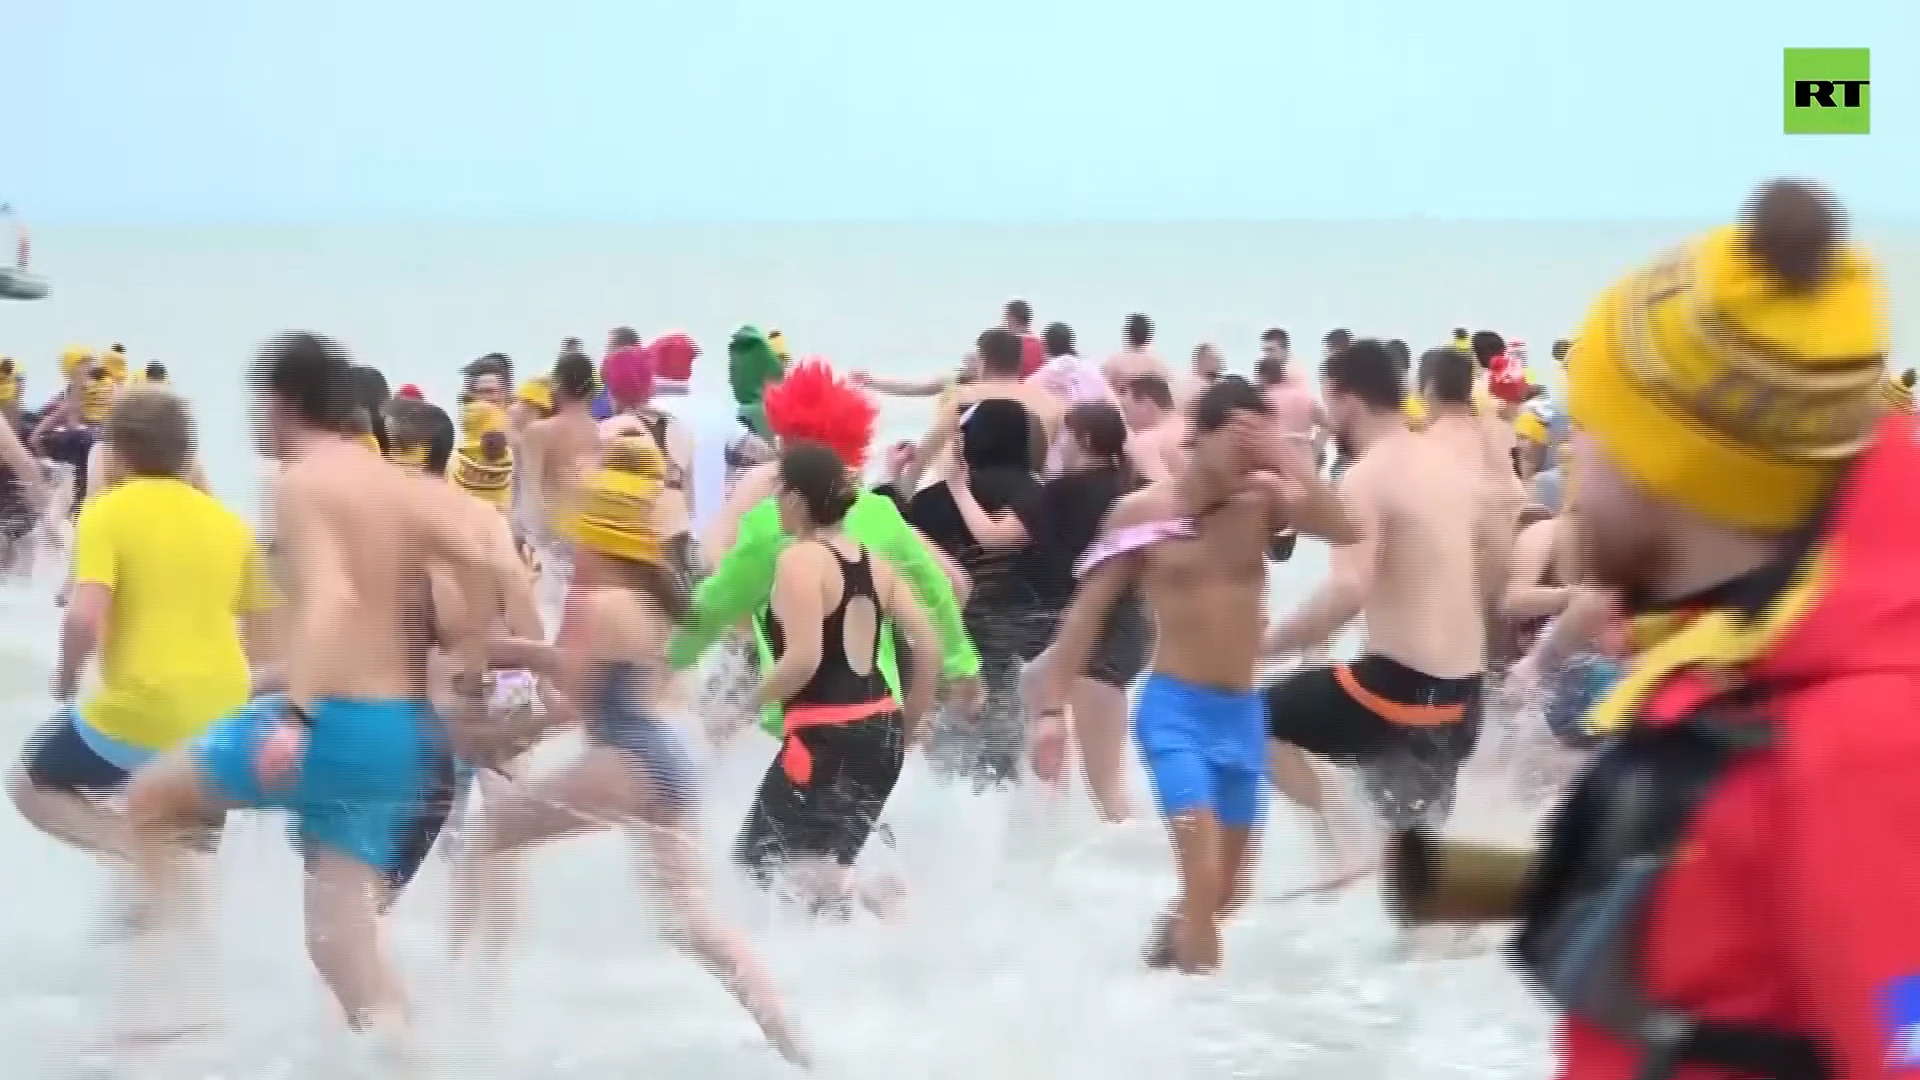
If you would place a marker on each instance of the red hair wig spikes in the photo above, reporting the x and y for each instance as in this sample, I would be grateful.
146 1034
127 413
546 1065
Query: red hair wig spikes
814 404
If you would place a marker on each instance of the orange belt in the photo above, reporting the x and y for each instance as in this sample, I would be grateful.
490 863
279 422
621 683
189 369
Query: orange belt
795 759
1396 712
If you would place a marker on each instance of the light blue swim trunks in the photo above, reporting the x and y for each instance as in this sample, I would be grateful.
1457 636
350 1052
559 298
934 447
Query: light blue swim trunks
1205 748
369 768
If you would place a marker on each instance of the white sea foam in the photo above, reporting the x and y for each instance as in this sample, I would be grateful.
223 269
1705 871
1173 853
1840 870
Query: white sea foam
1018 958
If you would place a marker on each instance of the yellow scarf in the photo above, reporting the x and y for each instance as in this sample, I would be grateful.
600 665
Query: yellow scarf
1718 644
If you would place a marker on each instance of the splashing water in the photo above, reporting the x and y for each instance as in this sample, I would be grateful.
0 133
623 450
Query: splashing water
1018 956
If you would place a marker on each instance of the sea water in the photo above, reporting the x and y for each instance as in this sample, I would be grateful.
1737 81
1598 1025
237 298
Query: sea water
1019 955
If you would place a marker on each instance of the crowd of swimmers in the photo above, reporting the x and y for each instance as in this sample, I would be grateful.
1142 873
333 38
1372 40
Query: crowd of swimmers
438 590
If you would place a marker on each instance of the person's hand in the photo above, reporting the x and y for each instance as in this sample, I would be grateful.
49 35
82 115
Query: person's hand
957 469
282 746
899 458
65 685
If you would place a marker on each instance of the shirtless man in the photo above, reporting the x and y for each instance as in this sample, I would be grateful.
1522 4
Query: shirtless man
1158 435
1297 411
1299 421
554 454
1461 425
1136 358
1196 546
1336 342
1407 713
348 748
1000 364
1208 366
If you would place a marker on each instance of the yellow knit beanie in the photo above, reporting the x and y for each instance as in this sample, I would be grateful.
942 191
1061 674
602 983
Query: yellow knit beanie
485 478
1737 373
615 514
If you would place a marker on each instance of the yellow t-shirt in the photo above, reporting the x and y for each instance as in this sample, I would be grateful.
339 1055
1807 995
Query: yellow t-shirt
182 568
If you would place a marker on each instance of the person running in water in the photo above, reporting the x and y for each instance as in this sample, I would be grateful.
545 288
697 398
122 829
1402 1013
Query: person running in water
1051 530
1196 546
352 749
1136 358
170 594
630 376
1407 713
634 771
556 453
1158 443
846 734
25 502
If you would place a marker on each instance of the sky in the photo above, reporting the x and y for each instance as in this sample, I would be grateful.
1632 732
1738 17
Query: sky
131 112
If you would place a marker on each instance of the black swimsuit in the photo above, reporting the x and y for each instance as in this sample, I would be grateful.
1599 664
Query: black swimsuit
825 791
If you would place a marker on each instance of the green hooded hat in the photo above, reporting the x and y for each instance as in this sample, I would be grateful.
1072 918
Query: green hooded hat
751 365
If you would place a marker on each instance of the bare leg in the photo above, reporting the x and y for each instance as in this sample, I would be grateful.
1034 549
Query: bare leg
167 810
1100 725
1196 926
723 950
71 818
587 794
1238 852
167 807
1296 778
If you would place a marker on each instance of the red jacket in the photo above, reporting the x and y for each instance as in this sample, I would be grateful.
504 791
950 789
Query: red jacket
1796 901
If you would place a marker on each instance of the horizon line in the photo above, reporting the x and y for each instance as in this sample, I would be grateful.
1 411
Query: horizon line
381 221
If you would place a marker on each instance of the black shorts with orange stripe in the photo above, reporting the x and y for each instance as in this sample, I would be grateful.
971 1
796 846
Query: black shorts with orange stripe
1407 732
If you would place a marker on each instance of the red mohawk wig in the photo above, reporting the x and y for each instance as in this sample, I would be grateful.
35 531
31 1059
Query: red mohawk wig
814 404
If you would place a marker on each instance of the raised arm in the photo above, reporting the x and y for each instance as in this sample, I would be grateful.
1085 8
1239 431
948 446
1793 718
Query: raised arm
1349 584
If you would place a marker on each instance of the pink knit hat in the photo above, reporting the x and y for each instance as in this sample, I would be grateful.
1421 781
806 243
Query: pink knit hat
628 374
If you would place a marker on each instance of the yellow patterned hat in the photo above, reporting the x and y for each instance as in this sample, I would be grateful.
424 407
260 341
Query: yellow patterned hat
1716 383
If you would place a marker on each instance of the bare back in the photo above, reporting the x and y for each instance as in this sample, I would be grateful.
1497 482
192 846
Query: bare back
1129 364
1291 403
564 447
353 527
1421 513
1157 452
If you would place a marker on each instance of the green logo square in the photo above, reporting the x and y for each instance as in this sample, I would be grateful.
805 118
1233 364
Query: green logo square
1827 92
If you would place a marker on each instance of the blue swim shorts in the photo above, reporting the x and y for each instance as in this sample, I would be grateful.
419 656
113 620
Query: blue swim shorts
1205 748
370 769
